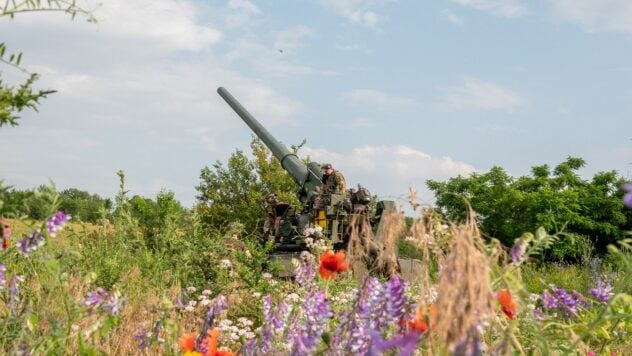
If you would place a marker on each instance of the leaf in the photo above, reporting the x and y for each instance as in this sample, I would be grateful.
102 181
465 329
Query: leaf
31 322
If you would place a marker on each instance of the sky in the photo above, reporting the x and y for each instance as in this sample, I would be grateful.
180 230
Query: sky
392 93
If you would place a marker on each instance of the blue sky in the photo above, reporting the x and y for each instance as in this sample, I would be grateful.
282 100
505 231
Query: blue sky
391 92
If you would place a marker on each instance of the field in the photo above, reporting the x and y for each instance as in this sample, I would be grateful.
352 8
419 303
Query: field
108 289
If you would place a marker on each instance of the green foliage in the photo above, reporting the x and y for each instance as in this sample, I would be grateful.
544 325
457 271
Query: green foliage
84 206
14 100
236 193
558 201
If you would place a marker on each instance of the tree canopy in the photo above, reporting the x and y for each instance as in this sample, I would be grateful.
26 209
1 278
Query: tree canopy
557 199
236 192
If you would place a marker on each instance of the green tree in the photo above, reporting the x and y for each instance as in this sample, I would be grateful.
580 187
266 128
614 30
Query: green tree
14 99
507 206
236 192
84 206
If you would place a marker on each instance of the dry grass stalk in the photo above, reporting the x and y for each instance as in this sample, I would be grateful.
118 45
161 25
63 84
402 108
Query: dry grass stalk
465 292
391 226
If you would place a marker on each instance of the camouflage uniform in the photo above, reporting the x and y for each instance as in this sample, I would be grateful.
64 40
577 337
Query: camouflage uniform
334 183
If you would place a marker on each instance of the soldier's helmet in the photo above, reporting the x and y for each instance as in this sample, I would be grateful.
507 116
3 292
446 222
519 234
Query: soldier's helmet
326 166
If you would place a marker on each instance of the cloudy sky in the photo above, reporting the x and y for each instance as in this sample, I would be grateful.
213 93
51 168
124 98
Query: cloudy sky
391 92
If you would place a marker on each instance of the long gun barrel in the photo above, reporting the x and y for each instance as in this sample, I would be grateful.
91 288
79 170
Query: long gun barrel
307 177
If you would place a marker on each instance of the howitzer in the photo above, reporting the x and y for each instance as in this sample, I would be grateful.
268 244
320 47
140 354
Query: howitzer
335 213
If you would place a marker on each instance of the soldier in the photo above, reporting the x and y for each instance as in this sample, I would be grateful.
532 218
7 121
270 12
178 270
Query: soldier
278 220
333 180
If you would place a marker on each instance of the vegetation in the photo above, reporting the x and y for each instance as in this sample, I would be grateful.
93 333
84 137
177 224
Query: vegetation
590 214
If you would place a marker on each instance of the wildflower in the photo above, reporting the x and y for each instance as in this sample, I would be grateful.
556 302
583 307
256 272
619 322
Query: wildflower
507 303
6 233
266 275
206 292
56 222
113 304
548 301
406 343
208 347
3 279
192 289
226 264
110 303
419 323
95 299
627 198
332 263
602 291
14 292
256 295
31 243
187 342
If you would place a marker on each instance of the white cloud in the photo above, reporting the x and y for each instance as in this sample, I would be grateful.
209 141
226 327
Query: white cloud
292 38
597 15
376 98
242 13
357 11
389 171
161 24
452 17
477 94
501 8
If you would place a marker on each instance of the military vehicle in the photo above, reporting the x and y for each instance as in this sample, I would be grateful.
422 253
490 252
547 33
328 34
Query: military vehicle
339 215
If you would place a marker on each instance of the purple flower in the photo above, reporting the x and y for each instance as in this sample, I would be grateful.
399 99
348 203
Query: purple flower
406 343
56 222
14 293
142 339
310 324
627 197
569 303
305 270
217 307
31 243
95 299
549 301
113 304
602 291
3 280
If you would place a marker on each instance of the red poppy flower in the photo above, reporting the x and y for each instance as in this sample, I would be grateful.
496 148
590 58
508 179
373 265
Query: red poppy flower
507 303
419 323
187 342
6 233
332 263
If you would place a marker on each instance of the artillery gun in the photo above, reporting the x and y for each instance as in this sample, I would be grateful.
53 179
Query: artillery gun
336 214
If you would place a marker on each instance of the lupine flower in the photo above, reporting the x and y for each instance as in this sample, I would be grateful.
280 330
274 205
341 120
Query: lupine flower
31 243
602 291
305 270
507 303
407 343
332 263
627 198
549 301
562 300
56 222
